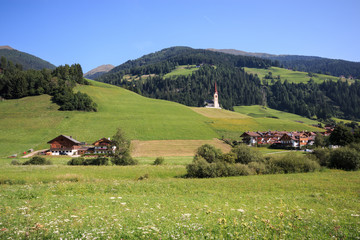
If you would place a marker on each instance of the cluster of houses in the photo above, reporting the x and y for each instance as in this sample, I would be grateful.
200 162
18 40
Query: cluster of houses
66 145
281 139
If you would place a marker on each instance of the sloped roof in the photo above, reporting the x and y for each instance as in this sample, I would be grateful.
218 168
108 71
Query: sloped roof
67 137
251 134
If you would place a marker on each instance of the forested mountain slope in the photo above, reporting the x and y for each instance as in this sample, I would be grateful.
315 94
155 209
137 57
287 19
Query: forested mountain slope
334 67
28 61
149 76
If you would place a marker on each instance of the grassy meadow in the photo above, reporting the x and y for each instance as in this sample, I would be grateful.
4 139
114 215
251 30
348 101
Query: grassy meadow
88 202
31 122
182 70
254 118
291 76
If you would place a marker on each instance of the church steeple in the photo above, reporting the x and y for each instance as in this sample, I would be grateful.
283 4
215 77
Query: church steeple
216 98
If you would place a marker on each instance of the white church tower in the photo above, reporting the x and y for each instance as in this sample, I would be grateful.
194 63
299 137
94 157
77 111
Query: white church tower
216 98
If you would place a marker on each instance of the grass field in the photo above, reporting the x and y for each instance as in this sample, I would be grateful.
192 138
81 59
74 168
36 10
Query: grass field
74 202
32 121
257 111
253 118
182 70
291 76
172 148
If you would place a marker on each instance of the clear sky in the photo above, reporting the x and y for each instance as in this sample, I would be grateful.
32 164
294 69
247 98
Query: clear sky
93 33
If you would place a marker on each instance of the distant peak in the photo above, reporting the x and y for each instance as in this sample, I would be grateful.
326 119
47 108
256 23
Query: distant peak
6 47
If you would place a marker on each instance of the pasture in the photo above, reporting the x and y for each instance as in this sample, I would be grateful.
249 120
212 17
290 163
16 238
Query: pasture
79 202
290 75
32 121
184 70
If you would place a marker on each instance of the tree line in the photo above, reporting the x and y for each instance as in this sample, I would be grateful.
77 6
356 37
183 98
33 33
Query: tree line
59 83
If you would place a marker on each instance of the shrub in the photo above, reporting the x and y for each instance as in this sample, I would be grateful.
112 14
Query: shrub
124 160
292 163
76 161
322 156
97 161
258 167
201 168
209 153
229 157
15 162
37 161
159 161
345 158
245 155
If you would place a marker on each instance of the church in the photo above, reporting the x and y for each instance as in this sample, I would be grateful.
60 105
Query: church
215 102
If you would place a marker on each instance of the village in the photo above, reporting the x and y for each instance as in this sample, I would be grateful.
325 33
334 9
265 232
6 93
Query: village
282 139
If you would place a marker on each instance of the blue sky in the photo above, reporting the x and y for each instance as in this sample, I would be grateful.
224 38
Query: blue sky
93 33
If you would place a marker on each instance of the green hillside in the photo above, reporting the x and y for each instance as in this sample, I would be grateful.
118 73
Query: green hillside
184 70
28 61
32 121
252 118
291 76
257 111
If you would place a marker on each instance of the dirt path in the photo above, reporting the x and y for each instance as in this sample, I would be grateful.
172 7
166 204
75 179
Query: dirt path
33 153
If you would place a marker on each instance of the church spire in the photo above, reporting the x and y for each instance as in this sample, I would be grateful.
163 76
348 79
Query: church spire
215 88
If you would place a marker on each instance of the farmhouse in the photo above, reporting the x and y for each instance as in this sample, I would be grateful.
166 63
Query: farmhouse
64 145
103 146
250 138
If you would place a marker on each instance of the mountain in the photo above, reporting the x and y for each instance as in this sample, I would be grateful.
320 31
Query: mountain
242 53
194 72
334 67
28 61
98 71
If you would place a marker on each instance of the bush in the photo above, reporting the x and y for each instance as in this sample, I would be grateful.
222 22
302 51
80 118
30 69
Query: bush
322 156
15 162
37 161
124 160
200 168
345 158
258 167
97 161
76 161
292 163
245 155
229 157
209 153
159 161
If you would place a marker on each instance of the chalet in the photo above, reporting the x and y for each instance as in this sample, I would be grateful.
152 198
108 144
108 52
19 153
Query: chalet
64 145
250 138
103 146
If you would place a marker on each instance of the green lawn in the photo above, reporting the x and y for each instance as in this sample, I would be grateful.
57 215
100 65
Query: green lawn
73 202
291 76
182 70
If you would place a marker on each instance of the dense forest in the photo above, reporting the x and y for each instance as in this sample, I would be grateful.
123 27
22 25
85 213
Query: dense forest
27 61
235 86
59 83
334 67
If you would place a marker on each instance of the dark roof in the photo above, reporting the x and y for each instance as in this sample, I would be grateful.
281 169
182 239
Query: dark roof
251 134
67 137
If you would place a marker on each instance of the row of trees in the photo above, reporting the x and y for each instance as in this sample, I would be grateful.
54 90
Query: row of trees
59 83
